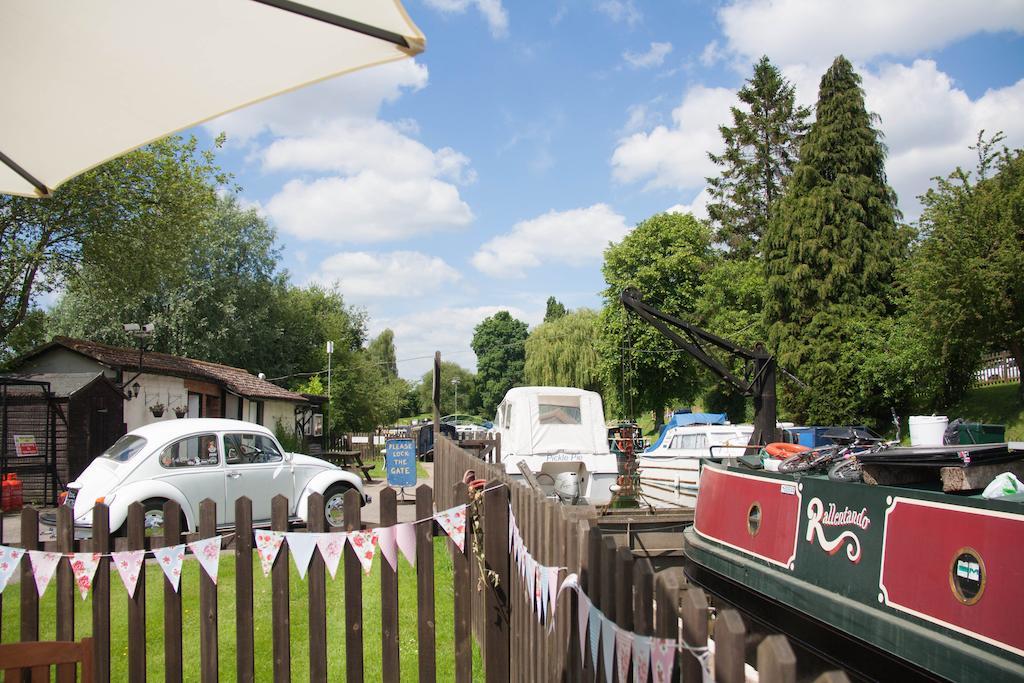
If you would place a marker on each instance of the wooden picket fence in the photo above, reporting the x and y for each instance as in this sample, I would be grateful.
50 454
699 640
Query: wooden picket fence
997 368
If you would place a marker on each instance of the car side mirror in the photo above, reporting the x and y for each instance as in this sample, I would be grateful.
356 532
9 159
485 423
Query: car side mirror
287 456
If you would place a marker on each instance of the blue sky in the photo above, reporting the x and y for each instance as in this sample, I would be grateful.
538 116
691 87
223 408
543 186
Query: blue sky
491 171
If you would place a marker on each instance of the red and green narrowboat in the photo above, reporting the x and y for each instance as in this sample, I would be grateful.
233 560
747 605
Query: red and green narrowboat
884 579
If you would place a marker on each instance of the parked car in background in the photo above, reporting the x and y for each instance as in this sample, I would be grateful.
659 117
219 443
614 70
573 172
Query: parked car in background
189 460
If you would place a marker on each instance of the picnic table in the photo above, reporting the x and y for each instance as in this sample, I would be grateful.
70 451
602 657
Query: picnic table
349 460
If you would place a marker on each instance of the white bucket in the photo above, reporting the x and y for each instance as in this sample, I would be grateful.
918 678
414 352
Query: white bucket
927 430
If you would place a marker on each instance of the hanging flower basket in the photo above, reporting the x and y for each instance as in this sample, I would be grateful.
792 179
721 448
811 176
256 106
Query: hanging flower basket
180 412
157 410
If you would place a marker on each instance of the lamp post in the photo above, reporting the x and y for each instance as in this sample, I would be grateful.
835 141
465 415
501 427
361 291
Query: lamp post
456 383
142 333
327 426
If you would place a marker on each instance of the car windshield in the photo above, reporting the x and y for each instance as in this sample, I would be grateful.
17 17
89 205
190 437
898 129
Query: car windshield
125 448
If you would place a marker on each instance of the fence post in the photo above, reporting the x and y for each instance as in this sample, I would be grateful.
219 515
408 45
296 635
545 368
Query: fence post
776 662
463 594
666 590
29 596
353 592
208 646
730 647
497 605
137 603
172 599
65 586
593 589
101 593
425 582
280 611
694 610
390 665
245 651
316 581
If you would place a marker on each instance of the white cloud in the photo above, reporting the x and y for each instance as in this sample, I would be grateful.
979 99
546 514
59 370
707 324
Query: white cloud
711 54
573 237
492 10
356 95
655 56
418 335
363 276
676 156
367 207
815 31
698 207
620 11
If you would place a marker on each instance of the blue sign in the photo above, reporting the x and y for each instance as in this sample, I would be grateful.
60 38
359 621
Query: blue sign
400 461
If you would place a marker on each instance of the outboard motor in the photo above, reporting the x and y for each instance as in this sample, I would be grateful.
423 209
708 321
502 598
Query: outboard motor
567 487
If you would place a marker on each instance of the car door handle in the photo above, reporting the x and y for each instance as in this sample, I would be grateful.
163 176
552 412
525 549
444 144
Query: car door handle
234 475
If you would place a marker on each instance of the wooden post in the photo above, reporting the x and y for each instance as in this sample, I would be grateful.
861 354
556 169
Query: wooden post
666 591
436 396
101 593
65 586
245 651
316 581
137 603
497 605
776 662
463 594
208 646
643 597
694 608
353 593
172 600
390 665
29 596
281 619
730 646
425 578
593 589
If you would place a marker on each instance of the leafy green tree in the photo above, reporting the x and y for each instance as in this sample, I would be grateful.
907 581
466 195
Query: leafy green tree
666 258
760 150
555 310
499 345
832 249
562 352
382 352
966 280
26 336
468 393
130 215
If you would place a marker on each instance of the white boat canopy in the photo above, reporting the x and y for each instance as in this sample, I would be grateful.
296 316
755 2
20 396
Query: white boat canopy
548 420
85 82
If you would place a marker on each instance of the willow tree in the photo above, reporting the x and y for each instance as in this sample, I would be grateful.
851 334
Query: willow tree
831 250
562 352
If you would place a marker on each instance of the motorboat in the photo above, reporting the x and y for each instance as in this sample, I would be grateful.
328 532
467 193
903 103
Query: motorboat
556 438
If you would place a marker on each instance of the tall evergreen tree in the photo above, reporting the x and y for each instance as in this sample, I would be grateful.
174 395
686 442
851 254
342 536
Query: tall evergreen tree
760 150
555 310
499 345
831 249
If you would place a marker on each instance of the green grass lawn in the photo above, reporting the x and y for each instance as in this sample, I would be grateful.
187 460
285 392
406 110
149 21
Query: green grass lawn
408 645
997 404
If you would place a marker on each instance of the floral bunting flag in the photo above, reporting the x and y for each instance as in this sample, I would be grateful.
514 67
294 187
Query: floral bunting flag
364 543
453 521
663 659
170 560
331 546
268 544
552 591
207 551
83 565
582 617
10 558
623 649
44 564
301 547
406 538
531 582
542 593
388 545
641 657
596 618
129 564
608 631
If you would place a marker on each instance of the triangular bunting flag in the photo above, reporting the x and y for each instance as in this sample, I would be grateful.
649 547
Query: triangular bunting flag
388 545
170 560
129 564
331 547
405 536
268 544
663 659
364 543
207 551
10 558
453 521
595 632
511 528
582 615
623 649
531 581
44 564
83 565
301 547
542 593
608 631
552 592
641 658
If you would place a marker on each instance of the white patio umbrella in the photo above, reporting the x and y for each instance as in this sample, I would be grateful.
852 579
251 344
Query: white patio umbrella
84 82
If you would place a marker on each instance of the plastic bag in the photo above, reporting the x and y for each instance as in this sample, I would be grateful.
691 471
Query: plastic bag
1006 484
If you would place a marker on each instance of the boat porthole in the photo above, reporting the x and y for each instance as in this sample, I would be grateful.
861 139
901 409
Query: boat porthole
967 576
754 518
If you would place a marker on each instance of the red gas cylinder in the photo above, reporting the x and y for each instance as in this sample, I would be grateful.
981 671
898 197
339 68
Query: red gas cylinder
11 498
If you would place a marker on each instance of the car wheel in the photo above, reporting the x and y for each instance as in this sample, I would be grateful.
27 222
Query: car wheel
153 517
334 504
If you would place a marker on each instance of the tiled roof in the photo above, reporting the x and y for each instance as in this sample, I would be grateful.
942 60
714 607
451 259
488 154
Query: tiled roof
237 380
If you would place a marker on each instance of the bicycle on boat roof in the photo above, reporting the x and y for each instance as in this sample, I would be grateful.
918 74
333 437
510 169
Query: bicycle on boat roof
840 456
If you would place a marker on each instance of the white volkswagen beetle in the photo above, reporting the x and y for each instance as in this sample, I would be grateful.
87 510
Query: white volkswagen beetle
189 460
